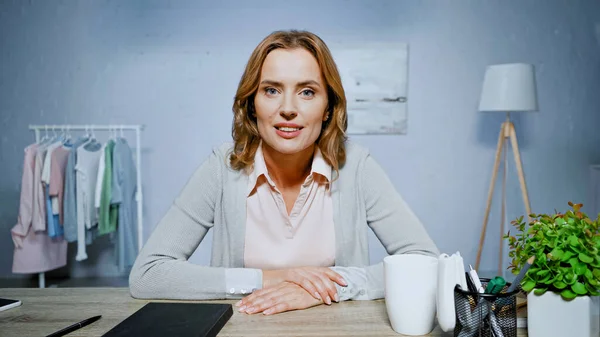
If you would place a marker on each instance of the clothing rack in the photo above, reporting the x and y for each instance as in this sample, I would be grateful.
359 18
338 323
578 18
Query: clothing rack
138 157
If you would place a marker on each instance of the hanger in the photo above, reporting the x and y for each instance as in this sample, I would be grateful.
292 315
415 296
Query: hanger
63 135
68 134
45 137
55 137
90 135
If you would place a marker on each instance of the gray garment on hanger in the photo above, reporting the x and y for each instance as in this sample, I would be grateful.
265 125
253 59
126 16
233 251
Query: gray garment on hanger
123 191
70 201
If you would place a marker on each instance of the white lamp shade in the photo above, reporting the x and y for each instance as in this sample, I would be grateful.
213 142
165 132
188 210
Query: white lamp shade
509 87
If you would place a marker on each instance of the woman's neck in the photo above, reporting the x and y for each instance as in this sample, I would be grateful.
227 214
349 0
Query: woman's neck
288 170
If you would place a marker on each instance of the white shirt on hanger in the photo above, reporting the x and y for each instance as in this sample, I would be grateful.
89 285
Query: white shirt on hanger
86 172
100 177
46 168
46 172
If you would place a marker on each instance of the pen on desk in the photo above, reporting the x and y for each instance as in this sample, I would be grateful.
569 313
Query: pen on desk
74 327
522 273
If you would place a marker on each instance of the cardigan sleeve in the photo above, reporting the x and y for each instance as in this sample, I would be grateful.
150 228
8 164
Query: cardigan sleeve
162 270
395 225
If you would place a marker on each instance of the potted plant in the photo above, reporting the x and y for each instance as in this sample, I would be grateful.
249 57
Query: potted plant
563 283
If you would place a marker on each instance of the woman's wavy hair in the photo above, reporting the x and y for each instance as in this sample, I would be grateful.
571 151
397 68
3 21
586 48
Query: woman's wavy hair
244 129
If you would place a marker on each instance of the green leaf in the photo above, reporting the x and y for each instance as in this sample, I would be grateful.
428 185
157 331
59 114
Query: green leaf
585 258
528 285
546 279
596 273
567 256
589 275
550 280
574 262
592 290
568 294
573 241
543 272
581 268
557 253
559 221
579 288
540 291
570 278
560 285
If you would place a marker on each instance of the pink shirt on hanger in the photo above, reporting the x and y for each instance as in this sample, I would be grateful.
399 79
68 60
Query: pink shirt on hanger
305 237
60 156
34 251
39 201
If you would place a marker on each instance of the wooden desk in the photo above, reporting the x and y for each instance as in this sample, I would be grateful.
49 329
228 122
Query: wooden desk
47 310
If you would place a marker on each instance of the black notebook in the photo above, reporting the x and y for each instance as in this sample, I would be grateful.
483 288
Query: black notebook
175 319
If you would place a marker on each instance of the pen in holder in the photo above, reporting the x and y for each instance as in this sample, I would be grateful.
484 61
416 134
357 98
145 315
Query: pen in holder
485 315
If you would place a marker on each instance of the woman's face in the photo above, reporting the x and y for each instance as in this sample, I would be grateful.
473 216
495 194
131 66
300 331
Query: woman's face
290 102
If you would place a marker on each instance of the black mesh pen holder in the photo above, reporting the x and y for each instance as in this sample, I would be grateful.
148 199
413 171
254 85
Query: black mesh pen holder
485 315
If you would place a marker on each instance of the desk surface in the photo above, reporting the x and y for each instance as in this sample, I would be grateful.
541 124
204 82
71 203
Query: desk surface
47 310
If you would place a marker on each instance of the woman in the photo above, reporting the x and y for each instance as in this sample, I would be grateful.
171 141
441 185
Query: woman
289 202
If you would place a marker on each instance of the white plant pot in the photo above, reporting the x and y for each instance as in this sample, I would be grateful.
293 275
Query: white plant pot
550 315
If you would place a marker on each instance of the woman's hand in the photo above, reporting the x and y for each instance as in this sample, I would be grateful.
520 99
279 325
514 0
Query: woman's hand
317 281
281 297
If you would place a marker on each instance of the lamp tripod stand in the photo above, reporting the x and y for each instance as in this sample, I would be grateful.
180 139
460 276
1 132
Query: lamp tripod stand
507 131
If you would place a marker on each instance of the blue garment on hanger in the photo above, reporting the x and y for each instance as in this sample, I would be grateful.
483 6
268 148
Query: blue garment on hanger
123 191
53 225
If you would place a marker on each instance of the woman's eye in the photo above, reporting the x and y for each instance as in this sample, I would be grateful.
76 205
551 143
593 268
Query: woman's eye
308 93
270 91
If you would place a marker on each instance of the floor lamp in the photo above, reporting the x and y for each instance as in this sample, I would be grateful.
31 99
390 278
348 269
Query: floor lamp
506 88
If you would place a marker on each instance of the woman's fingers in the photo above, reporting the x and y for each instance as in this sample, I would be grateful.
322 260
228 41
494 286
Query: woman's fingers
317 281
315 285
268 299
261 303
308 284
329 287
288 296
257 294
337 278
277 308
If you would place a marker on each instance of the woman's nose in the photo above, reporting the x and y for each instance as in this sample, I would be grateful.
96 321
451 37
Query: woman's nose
288 108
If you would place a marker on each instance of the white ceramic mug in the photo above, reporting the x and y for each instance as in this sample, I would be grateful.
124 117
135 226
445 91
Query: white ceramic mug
410 292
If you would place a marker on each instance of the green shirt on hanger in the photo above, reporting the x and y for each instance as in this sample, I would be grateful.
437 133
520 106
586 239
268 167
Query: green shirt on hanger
107 218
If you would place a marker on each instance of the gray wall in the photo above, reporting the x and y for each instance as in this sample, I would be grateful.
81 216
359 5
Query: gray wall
174 66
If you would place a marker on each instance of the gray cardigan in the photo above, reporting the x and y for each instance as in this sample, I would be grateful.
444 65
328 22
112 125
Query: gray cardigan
215 198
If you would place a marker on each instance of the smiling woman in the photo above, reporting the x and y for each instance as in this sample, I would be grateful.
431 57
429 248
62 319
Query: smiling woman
290 201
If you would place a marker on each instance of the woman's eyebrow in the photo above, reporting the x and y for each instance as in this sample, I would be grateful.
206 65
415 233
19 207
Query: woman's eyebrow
270 82
309 82
300 84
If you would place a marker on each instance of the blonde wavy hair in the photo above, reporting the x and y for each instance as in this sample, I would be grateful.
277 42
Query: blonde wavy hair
244 129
